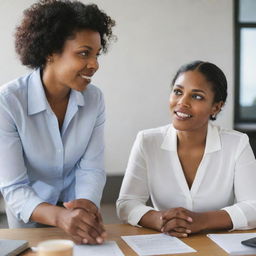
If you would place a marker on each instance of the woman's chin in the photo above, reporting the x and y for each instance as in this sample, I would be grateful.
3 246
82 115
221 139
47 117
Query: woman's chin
180 125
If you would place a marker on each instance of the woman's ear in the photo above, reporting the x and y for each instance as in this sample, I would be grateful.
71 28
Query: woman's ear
216 108
50 58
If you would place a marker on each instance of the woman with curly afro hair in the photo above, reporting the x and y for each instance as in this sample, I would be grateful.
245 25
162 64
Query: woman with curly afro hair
52 121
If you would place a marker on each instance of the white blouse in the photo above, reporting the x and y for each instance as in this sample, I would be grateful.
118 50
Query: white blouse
225 179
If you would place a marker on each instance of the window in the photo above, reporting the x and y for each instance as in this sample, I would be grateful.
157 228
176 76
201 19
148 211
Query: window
245 68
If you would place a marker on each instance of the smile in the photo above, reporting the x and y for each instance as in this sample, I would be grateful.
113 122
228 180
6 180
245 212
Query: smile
86 77
182 115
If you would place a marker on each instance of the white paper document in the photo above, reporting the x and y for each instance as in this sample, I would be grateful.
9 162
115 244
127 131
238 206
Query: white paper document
156 244
231 243
109 248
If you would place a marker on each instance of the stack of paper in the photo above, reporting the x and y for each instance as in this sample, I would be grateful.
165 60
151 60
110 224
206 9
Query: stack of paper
142 244
109 248
231 243
156 244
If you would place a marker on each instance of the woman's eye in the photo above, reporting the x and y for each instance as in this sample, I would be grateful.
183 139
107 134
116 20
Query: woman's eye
177 92
84 54
197 97
99 53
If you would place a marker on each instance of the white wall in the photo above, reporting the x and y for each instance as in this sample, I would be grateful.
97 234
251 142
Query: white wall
155 37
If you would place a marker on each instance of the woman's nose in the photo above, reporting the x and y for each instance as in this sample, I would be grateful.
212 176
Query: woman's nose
93 63
184 101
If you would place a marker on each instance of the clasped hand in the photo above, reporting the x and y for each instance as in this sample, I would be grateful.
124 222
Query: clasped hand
180 222
82 220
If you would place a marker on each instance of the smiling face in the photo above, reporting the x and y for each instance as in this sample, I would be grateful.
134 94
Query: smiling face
192 102
76 64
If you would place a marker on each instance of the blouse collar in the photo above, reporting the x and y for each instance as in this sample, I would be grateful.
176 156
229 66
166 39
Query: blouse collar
213 142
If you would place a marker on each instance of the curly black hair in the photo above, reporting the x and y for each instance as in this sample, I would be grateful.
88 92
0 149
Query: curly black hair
47 24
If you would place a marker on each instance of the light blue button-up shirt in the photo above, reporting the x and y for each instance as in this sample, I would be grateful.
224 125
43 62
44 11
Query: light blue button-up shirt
38 162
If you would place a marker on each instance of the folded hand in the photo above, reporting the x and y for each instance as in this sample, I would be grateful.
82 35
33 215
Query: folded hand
83 222
180 222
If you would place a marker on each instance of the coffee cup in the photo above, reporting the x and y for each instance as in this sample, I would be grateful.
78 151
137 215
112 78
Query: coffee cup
58 247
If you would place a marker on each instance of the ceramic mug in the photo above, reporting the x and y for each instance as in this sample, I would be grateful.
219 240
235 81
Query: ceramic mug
58 247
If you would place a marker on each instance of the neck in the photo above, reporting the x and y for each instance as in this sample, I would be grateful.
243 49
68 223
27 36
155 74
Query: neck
192 139
53 91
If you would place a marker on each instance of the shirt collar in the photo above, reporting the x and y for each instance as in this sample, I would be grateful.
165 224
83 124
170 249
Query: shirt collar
213 142
78 97
37 100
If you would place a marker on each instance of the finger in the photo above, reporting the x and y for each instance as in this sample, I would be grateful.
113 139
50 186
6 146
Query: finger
90 237
86 229
81 218
83 231
178 213
173 224
90 220
99 217
182 230
93 233
86 238
68 205
93 223
77 239
177 234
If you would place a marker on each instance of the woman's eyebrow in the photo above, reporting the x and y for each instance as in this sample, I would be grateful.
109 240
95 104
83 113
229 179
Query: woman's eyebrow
193 90
85 46
89 47
198 90
178 85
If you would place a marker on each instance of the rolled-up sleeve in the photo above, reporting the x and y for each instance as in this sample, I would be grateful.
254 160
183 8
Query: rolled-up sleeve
243 212
134 193
19 196
90 172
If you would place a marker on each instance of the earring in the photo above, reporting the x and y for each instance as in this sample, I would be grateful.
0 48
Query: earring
213 117
49 59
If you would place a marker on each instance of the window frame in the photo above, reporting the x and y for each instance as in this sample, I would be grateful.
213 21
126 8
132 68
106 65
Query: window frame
247 123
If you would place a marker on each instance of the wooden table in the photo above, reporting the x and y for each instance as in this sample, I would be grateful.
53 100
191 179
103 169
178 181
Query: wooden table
201 243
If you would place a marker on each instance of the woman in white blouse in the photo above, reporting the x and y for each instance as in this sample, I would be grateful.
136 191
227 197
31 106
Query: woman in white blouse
198 175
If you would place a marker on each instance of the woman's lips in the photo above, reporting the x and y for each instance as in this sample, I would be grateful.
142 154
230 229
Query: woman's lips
88 78
182 115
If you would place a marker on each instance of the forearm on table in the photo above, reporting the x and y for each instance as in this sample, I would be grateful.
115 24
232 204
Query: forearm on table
151 219
216 220
47 214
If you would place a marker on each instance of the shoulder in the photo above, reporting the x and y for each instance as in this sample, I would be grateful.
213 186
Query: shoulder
232 135
15 89
155 131
154 134
232 140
